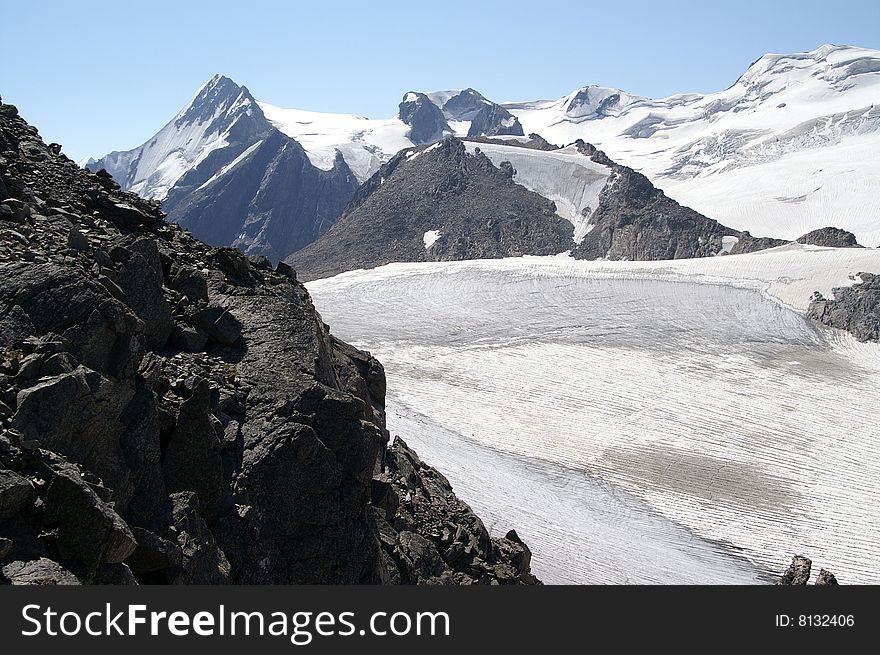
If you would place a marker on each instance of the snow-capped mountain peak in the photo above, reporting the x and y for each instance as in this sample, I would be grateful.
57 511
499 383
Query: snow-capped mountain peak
221 116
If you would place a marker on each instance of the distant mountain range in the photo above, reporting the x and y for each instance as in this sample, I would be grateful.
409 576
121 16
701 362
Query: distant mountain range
792 146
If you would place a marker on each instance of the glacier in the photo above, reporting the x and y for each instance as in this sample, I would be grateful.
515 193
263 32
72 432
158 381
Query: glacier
636 422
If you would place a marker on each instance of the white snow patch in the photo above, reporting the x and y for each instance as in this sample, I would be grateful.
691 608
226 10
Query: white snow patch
430 238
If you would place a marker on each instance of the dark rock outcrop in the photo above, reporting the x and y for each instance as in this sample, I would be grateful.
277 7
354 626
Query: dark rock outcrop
426 121
637 221
830 237
495 120
798 574
477 209
172 412
855 309
430 536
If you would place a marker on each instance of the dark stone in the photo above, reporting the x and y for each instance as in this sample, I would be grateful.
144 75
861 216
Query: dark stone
141 282
89 533
192 461
826 578
153 553
76 240
114 574
191 283
798 572
830 237
16 494
188 338
219 323
202 561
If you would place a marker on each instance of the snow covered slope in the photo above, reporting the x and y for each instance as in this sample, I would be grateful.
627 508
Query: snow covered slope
792 146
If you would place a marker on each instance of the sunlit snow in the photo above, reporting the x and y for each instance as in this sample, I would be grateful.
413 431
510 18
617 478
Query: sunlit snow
636 421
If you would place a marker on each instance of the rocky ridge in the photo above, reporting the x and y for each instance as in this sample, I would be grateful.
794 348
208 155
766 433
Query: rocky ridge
176 413
855 309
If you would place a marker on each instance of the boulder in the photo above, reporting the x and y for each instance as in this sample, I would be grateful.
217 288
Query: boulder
89 532
798 572
141 281
38 572
219 323
192 460
16 494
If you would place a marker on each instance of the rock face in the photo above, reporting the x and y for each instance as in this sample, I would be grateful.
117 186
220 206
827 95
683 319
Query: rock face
433 204
430 536
637 221
225 173
272 203
798 574
176 413
855 309
830 237
426 121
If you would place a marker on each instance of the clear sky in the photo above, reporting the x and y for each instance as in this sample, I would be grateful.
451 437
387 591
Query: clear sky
106 75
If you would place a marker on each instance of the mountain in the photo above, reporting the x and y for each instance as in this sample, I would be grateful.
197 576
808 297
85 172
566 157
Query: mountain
224 172
493 197
172 413
434 203
790 147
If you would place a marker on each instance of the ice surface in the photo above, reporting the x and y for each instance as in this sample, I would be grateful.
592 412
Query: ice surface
641 422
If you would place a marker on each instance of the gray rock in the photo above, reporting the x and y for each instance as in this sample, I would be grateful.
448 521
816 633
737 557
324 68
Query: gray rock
426 121
188 338
142 285
444 189
826 578
495 120
89 533
191 283
38 572
219 323
202 561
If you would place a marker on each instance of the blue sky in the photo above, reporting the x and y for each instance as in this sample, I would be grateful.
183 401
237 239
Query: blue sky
104 75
